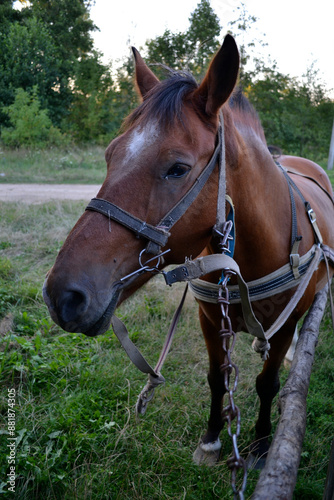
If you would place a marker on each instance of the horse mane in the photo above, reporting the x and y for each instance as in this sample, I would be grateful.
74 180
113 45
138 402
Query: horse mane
244 113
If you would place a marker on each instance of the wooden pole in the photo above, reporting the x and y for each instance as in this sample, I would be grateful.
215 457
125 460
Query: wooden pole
278 478
331 151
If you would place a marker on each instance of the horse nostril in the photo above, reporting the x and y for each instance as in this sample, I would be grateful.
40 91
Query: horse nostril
73 305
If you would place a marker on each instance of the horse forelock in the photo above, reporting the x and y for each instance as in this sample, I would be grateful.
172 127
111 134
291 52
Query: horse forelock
165 102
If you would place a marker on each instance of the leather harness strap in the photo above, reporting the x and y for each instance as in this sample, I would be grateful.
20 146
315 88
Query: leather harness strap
290 170
276 282
141 229
157 236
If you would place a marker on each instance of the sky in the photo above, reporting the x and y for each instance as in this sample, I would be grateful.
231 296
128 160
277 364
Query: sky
298 32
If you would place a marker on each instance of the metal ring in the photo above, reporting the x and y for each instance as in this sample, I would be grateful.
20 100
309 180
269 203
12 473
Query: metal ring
145 264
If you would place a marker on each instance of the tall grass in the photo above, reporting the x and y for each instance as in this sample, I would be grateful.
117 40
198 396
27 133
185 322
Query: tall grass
84 165
78 437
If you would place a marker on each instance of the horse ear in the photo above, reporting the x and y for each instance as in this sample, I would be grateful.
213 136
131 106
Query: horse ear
220 78
145 79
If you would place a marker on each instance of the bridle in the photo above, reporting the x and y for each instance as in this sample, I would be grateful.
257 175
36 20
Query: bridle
157 236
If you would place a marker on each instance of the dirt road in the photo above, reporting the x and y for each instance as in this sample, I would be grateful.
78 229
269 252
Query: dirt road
41 193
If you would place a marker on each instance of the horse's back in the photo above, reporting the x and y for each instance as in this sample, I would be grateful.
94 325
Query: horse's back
307 168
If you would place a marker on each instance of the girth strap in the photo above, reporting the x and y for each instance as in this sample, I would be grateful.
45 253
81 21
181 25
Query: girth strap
276 282
210 263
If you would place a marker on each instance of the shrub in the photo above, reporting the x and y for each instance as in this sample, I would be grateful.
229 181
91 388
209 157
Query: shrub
31 125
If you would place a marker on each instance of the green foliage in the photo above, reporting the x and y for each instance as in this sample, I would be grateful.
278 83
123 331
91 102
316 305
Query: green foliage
48 46
44 46
296 115
191 50
30 61
93 99
31 125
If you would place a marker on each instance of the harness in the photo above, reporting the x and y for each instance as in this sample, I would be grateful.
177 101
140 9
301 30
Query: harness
298 272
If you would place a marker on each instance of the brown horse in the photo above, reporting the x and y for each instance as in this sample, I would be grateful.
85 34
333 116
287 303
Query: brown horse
166 144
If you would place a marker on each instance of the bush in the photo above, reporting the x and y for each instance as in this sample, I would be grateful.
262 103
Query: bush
31 125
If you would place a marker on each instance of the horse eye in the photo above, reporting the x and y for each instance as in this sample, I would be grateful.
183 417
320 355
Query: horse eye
177 171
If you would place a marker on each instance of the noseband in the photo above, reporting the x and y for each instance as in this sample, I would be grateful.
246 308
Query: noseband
157 236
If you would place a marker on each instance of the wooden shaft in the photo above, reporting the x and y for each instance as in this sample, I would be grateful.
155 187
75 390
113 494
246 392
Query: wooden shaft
278 478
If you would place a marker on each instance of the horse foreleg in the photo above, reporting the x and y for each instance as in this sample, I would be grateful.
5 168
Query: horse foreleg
209 448
267 386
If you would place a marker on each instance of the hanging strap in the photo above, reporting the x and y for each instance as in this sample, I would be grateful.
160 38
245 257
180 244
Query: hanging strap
221 197
154 376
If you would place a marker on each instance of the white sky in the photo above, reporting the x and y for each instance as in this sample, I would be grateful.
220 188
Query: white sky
298 32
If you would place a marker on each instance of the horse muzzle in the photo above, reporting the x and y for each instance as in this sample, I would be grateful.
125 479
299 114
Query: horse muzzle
77 311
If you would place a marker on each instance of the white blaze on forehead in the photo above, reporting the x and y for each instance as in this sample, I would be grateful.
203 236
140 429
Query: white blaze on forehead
141 139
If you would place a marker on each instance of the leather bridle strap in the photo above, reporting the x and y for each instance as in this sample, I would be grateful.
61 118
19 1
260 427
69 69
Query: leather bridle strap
158 235
154 374
140 228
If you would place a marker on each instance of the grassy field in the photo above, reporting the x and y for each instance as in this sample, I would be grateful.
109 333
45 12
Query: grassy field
77 435
74 165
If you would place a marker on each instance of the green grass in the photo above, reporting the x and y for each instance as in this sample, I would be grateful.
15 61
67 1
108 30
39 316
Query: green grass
84 165
78 437
330 174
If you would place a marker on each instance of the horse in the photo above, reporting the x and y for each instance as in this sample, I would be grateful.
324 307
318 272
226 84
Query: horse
282 216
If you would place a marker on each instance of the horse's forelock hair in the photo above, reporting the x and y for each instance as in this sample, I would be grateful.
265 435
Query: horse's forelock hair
164 102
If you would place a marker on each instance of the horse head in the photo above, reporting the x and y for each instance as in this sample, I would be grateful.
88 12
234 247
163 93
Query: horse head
164 146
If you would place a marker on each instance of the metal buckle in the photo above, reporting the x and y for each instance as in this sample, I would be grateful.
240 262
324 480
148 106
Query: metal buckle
225 236
311 215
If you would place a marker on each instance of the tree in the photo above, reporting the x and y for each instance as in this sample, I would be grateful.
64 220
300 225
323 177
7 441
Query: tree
296 115
93 93
43 45
31 125
29 59
191 50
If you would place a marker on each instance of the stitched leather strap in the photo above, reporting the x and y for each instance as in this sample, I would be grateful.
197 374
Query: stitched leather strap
276 282
154 376
210 263
140 228
158 235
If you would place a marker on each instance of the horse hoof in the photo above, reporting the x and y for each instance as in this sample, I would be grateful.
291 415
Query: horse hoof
207 453
255 462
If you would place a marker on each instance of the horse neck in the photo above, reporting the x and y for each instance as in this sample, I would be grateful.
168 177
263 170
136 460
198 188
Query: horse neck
262 208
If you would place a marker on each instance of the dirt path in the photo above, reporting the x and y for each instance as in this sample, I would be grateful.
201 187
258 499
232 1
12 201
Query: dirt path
40 193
